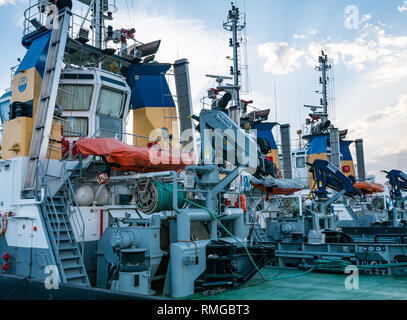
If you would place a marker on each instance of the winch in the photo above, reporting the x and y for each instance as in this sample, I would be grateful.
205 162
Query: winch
152 196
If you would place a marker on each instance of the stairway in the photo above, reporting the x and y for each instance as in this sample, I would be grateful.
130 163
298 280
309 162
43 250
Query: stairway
62 228
353 215
259 235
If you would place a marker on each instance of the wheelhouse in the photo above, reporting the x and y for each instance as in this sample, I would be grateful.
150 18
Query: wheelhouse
94 103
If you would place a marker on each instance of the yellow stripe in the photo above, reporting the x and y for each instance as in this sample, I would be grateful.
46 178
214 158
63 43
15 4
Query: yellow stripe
351 165
311 158
32 90
276 159
17 132
145 120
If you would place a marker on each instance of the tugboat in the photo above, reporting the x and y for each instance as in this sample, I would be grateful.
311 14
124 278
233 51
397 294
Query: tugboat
99 212
340 215
79 78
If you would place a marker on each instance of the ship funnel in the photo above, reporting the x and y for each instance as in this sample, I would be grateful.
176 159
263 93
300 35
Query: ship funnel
335 148
184 101
286 150
360 159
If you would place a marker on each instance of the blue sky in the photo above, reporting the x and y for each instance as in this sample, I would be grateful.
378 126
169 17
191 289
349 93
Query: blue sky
284 37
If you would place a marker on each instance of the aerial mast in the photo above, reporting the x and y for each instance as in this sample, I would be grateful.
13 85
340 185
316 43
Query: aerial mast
234 25
323 67
97 18
318 127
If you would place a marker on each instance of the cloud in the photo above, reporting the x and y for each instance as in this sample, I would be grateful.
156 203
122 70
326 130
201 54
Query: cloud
396 160
280 58
262 101
384 54
393 69
387 118
179 39
403 7
378 129
4 2
299 36
366 17
374 49
12 2
372 46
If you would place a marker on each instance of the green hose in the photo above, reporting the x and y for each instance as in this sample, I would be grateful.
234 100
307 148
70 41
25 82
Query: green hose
331 265
164 197
326 265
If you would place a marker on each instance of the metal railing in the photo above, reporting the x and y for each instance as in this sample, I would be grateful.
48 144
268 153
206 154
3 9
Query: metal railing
77 220
70 201
35 17
47 201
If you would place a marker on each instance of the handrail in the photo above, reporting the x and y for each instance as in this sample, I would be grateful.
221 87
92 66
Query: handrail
47 201
48 195
78 22
71 194
78 212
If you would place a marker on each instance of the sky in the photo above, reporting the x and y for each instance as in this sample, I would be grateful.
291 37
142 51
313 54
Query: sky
367 41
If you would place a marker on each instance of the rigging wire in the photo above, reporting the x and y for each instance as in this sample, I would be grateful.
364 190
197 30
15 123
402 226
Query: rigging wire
128 12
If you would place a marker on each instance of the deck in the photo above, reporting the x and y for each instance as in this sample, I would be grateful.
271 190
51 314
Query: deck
314 286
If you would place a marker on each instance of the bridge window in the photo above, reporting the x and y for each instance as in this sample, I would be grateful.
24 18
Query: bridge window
75 127
111 103
108 127
4 111
300 162
75 97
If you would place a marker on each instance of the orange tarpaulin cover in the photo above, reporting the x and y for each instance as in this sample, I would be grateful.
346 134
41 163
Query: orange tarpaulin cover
369 188
276 190
130 158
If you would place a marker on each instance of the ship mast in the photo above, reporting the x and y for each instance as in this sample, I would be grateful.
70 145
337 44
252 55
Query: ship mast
234 25
323 67
98 22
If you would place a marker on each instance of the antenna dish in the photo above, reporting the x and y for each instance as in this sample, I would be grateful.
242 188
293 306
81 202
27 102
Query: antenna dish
218 77
313 108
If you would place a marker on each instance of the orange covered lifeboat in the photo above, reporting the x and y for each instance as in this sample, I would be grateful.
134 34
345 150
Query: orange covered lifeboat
124 157
368 187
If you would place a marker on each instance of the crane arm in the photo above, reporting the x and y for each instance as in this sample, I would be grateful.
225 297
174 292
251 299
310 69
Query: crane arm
327 175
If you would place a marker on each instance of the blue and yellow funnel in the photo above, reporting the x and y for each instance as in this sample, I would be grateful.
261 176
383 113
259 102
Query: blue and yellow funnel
151 101
264 130
347 166
317 149
26 89
318 145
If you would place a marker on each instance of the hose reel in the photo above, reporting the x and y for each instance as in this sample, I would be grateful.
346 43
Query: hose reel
378 203
152 196
291 205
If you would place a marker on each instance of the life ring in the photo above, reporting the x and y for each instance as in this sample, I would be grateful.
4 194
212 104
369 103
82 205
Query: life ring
102 178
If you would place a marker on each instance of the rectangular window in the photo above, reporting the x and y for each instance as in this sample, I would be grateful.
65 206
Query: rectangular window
111 103
5 111
108 127
300 162
75 97
75 127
